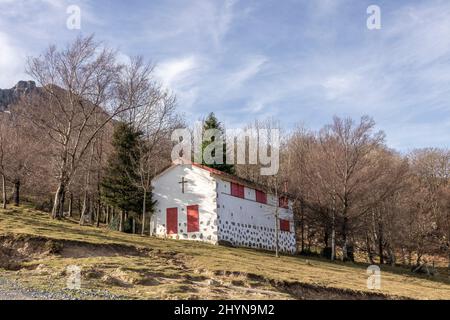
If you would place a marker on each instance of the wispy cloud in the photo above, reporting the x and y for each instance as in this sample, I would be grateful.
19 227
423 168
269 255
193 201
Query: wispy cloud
245 72
172 72
300 61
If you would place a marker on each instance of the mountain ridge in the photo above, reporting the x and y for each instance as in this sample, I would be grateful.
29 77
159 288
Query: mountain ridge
11 96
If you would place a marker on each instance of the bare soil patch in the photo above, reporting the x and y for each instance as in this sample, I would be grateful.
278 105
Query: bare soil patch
17 249
297 290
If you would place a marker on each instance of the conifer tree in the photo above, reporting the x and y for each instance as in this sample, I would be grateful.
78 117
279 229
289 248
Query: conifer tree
120 185
211 122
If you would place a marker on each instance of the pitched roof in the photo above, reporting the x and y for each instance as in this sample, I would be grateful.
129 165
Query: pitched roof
224 176
234 178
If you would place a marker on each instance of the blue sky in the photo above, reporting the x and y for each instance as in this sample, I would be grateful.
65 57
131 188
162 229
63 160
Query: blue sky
299 61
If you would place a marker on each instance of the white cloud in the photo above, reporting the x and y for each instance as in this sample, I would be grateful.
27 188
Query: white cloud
12 61
174 71
183 76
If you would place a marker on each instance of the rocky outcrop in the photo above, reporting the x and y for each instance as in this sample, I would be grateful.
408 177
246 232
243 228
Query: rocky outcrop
10 96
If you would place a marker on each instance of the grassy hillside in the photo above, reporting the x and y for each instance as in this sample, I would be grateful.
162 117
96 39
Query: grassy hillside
36 251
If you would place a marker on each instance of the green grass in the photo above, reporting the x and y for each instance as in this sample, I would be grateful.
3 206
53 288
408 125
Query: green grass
179 269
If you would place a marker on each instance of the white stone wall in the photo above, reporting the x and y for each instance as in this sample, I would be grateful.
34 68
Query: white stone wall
200 190
242 222
247 223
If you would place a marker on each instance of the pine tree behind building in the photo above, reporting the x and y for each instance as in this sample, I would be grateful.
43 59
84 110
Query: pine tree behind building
120 185
211 122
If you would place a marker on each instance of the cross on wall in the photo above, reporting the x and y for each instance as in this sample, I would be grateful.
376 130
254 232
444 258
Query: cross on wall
183 182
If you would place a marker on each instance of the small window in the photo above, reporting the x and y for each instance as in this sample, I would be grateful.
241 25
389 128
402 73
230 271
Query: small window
237 190
261 197
285 225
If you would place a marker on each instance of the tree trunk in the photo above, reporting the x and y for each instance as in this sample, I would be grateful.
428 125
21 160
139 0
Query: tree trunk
333 229
107 215
333 237
122 220
70 213
277 227
58 202
61 207
326 237
79 206
380 245
99 211
17 193
86 186
113 214
392 257
4 190
369 250
91 210
344 239
99 201
84 209
308 238
302 212
143 212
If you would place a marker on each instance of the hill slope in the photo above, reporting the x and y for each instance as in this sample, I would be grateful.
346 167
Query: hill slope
35 251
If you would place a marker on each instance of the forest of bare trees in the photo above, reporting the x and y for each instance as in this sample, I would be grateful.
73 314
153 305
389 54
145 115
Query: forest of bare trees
354 196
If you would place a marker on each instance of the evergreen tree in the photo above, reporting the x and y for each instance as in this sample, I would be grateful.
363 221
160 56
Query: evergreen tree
211 122
120 186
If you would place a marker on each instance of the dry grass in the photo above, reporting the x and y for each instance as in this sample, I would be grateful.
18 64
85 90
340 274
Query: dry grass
177 269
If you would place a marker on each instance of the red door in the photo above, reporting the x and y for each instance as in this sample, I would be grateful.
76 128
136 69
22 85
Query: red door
192 219
172 221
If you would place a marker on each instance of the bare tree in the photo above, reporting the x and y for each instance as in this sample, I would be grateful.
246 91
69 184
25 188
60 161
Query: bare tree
3 152
152 113
20 156
81 86
329 172
431 180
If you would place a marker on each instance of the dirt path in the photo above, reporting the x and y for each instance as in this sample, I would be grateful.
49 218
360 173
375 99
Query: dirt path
11 294
12 291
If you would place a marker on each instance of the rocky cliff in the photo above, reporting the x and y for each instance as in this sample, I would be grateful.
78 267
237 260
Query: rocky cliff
11 96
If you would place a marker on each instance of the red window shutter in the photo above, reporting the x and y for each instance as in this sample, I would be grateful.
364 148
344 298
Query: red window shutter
241 192
284 202
237 190
172 221
234 189
285 225
261 197
192 219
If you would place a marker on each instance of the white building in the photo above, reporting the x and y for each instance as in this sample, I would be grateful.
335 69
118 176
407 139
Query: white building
199 203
